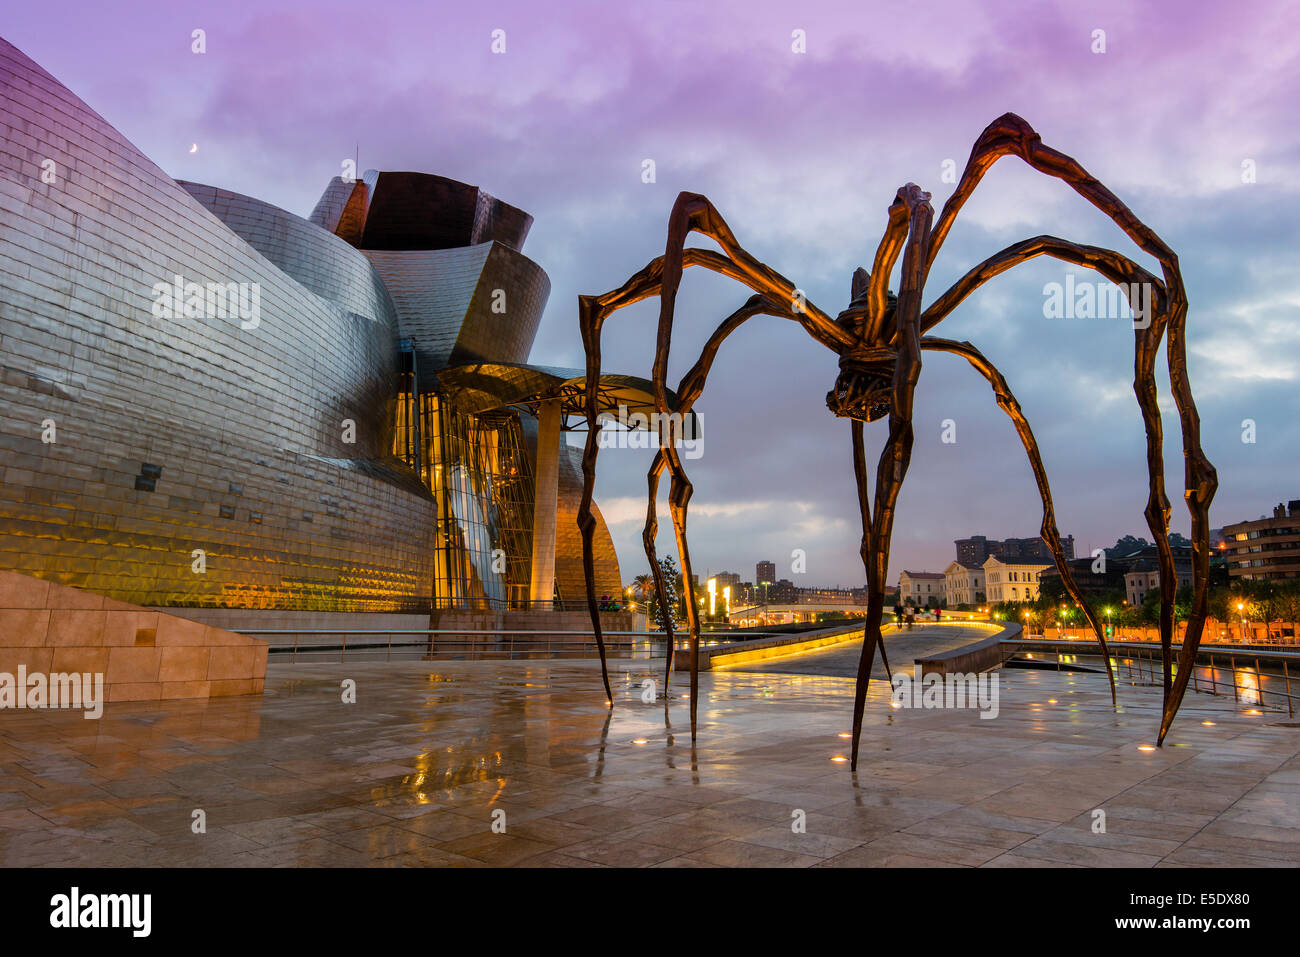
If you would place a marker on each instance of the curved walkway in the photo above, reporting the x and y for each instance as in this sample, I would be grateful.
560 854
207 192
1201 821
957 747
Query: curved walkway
841 660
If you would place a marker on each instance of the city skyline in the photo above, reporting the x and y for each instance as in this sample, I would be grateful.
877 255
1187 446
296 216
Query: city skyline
775 471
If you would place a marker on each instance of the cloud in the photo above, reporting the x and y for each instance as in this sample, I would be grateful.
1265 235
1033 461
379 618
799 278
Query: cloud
802 154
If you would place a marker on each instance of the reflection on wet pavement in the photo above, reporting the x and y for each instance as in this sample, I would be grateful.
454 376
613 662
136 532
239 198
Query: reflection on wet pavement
419 769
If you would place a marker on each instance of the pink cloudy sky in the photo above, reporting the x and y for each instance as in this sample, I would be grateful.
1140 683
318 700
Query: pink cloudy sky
802 154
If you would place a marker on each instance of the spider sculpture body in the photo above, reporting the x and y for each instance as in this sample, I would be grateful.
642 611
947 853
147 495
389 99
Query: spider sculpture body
879 339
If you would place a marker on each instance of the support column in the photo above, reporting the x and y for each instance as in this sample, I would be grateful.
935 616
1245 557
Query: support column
545 498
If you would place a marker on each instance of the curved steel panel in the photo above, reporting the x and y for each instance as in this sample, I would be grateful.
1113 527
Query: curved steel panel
194 432
319 260
569 578
449 302
425 211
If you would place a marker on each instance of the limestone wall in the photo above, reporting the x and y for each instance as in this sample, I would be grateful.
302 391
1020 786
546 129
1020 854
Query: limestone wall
144 655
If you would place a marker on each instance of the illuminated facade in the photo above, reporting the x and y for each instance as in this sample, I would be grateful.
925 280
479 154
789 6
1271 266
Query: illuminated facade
922 589
1012 581
963 585
1267 548
318 437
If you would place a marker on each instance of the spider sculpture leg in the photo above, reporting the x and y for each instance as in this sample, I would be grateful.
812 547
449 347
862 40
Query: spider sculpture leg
1157 508
877 285
1010 134
871 637
692 385
648 535
880 643
1050 533
894 459
691 213
679 498
1129 277
897 453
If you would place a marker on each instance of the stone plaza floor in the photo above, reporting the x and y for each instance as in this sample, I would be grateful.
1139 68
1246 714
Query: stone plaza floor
419 769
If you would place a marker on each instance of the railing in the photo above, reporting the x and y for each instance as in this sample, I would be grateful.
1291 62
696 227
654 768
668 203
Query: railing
389 644
1083 633
1251 691
458 643
603 603
1144 667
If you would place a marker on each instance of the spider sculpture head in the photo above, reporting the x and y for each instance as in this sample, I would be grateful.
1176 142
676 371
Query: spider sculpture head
864 389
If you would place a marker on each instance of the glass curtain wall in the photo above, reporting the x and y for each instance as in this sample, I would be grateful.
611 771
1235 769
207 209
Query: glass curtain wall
478 469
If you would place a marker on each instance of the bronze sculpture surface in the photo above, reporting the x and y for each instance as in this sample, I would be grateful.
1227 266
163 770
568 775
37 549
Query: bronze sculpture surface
879 339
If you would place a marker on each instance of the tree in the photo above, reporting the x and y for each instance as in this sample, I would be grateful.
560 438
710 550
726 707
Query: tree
1032 615
1288 604
1267 604
1126 546
1149 612
1129 616
673 586
1052 590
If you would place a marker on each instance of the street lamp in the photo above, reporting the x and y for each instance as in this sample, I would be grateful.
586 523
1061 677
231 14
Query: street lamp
1241 610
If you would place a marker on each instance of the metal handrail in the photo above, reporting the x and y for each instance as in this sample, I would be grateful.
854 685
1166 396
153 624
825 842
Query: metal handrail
472 643
1206 638
532 604
1153 673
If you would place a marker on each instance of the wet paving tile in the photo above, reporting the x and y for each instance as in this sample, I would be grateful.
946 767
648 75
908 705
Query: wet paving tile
471 764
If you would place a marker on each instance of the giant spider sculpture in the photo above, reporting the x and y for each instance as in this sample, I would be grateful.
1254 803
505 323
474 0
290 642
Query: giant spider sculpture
879 339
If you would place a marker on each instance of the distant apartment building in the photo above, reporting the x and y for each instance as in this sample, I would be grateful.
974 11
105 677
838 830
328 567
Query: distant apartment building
1112 576
1143 576
1012 581
832 596
963 584
728 580
922 589
972 551
783 592
1267 548
975 550
764 572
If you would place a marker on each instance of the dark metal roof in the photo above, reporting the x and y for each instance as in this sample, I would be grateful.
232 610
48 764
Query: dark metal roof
481 386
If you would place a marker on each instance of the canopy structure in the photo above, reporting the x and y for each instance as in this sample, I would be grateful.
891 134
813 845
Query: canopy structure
558 398
482 386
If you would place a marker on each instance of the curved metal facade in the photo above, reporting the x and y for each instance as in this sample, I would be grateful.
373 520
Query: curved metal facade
190 432
193 377
465 305
320 261
401 210
570 583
